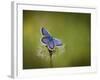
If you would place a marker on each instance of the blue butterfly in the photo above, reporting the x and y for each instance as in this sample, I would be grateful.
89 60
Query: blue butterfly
48 40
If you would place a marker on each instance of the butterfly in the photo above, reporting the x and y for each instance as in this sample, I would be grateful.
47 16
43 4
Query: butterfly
48 40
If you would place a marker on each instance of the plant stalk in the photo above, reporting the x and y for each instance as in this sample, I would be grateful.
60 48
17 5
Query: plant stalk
51 64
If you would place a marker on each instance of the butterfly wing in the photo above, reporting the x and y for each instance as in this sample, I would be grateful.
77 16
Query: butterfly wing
51 45
44 32
48 40
45 40
57 42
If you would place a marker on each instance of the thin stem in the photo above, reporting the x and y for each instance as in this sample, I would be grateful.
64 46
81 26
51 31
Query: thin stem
51 64
50 54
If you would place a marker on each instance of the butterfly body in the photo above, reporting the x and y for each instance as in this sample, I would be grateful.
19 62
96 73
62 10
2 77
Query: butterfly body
49 41
50 38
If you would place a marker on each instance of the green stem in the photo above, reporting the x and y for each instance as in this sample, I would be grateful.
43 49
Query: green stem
51 64
50 54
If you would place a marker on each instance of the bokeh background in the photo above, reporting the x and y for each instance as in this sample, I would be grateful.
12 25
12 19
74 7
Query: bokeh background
73 29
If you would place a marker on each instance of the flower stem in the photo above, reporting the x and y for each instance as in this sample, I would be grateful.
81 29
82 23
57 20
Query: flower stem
50 54
51 64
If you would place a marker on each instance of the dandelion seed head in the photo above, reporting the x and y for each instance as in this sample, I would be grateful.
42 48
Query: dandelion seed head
42 52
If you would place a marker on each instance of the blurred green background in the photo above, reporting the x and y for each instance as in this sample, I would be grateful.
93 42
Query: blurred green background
73 29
